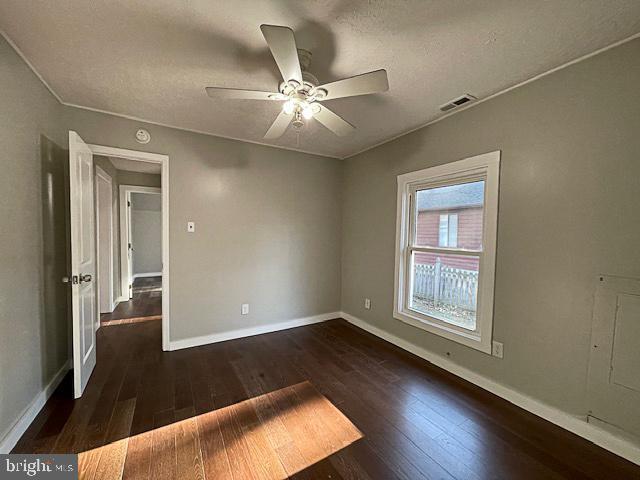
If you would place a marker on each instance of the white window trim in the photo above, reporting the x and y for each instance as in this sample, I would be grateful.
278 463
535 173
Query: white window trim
485 166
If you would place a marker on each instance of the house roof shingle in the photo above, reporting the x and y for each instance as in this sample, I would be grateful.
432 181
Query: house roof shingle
453 196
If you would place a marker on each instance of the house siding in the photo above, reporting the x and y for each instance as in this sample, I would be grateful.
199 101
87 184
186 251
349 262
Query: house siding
469 235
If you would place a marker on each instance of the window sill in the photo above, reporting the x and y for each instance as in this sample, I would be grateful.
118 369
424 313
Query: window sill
474 340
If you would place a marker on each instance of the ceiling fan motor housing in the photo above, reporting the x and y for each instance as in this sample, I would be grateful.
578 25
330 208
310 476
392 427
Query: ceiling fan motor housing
309 80
301 96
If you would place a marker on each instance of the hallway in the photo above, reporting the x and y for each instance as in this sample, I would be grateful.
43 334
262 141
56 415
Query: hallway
145 305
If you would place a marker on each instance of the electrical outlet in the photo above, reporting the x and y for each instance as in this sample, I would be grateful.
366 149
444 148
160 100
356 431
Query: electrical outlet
367 303
244 309
191 227
497 349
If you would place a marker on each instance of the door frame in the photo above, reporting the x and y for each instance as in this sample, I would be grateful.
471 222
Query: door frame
100 174
163 160
126 236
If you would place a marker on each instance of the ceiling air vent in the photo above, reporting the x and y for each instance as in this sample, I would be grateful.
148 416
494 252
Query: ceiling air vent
457 102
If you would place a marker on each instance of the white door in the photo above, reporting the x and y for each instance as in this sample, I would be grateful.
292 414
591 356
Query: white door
83 263
104 227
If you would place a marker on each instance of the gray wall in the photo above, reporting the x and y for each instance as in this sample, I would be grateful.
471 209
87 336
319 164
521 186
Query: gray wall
268 226
140 179
33 255
569 210
146 229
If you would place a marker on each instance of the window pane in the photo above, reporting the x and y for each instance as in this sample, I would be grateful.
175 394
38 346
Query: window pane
450 216
445 287
453 230
443 234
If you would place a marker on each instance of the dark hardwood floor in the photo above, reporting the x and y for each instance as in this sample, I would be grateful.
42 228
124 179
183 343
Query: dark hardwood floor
146 303
259 408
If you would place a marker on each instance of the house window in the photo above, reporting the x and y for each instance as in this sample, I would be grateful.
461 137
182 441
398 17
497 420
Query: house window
448 230
445 251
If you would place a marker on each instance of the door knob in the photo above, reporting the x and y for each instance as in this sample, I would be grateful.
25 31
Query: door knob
86 278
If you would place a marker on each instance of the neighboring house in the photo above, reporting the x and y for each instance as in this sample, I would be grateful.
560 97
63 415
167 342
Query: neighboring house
450 217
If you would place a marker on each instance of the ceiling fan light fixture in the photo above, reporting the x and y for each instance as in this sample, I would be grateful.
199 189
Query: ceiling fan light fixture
300 106
289 107
307 112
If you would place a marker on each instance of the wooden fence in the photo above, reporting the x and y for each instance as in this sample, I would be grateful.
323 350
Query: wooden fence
446 285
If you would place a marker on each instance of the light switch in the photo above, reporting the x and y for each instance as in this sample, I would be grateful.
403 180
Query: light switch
191 227
244 310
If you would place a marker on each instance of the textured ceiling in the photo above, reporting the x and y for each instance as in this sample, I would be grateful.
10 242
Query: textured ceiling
151 59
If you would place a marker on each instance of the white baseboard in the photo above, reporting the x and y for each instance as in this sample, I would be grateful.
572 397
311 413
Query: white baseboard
13 434
120 299
250 331
148 274
579 426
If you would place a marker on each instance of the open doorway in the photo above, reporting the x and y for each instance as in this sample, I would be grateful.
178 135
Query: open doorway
129 242
140 227
129 236
140 235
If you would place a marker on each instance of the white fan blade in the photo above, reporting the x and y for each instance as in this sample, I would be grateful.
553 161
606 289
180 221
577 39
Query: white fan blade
372 82
220 92
279 126
282 44
333 122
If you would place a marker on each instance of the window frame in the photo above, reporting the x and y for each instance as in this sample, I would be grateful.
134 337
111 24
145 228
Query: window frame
481 167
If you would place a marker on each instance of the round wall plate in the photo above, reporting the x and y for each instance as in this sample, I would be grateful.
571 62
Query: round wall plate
142 136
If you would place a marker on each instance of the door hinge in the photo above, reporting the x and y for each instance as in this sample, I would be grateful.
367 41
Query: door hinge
129 246
128 204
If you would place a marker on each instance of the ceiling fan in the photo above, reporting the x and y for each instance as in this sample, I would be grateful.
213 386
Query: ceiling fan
300 90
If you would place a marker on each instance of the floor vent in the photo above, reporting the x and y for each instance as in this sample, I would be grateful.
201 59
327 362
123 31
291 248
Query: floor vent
457 102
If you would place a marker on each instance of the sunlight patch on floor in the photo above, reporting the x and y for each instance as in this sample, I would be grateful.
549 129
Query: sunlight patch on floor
122 321
276 435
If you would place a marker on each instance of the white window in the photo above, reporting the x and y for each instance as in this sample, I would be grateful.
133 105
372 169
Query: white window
445 262
448 230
